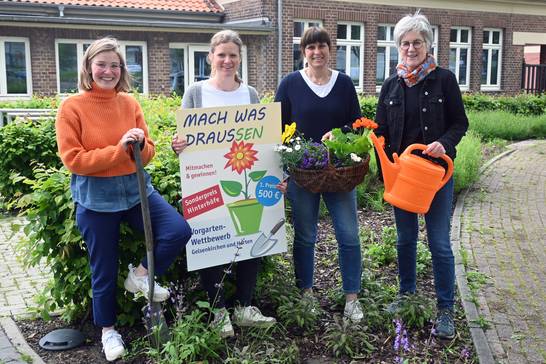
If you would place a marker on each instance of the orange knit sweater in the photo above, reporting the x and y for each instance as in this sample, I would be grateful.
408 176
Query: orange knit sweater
89 128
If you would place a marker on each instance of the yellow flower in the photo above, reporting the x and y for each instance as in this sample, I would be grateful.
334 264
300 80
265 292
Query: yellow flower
289 131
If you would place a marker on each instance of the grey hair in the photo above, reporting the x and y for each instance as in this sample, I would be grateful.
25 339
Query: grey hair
413 23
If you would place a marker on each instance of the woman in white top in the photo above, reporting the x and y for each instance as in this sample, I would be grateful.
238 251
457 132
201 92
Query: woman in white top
225 88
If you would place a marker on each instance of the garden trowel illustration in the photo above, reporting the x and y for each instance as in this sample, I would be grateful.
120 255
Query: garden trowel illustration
265 242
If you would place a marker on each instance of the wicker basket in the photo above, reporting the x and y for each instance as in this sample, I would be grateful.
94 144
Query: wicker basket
331 179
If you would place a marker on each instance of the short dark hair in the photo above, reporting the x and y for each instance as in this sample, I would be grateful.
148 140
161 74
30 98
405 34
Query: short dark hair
315 35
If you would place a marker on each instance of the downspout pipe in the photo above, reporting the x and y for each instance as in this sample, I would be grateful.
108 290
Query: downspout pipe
279 41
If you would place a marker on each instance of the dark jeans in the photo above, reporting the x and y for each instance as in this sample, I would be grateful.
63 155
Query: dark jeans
100 230
246 272
438 222
342 209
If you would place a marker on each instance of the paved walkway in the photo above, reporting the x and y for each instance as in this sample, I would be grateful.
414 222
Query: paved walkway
18 286
500 231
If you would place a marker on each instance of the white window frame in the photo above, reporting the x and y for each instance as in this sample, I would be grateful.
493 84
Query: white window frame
297 40
79 50
189 51
458 45
349 43
489 47
388 43
3 79
435 42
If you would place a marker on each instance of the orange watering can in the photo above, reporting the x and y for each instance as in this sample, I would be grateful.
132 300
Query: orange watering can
411 181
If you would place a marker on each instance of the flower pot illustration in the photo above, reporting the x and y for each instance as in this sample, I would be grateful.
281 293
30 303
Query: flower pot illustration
246 216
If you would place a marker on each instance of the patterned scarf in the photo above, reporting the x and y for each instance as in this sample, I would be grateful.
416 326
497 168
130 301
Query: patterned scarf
417 75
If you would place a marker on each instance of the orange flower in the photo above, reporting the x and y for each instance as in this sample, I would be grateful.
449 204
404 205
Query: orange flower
241 156
381 140
364 122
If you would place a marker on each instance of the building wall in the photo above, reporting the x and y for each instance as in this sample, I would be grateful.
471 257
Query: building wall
42 49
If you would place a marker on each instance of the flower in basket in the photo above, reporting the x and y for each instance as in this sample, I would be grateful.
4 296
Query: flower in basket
298 152
350 147
241 157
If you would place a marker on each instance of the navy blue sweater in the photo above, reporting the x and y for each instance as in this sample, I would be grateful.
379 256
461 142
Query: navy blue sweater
314 115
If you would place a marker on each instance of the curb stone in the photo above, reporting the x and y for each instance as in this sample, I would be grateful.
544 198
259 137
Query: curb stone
18 344
483 350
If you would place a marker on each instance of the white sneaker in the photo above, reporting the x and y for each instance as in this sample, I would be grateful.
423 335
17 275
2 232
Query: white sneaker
112 345
251 316
135 284
221 320
353 311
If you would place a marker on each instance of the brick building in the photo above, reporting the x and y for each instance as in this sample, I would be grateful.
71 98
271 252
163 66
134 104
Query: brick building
166 41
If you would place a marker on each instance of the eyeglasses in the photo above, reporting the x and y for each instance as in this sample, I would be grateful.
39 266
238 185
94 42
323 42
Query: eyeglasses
103 66
417 44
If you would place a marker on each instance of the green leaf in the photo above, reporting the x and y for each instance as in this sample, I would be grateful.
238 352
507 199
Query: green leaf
256 175
232 188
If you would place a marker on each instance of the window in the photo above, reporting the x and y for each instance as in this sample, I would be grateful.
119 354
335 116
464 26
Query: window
69 55
459 55
189 64
299 27
491 59
434 46
387 54
15 76
349 51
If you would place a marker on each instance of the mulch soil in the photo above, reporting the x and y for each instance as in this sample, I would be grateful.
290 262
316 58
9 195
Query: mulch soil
312 348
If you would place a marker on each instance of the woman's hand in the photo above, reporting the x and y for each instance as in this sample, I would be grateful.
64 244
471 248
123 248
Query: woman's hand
327 136
435 150
131 136
282 186
178 144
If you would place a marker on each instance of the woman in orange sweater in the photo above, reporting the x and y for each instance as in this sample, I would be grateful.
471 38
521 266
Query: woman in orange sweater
95 132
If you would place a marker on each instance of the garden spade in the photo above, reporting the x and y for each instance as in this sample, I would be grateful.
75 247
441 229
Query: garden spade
154 320
264 243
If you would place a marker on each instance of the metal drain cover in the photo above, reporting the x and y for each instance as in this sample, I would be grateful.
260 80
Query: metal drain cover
62 339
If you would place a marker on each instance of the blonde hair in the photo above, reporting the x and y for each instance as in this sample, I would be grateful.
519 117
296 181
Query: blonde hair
106 44
222 37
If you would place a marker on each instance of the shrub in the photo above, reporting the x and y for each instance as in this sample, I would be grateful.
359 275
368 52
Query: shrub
468 161
501 124
22 144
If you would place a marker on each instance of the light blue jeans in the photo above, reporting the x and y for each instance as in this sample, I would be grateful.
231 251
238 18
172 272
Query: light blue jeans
342 209
438 223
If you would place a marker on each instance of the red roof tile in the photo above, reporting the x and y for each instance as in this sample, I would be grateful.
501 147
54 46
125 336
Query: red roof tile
206 6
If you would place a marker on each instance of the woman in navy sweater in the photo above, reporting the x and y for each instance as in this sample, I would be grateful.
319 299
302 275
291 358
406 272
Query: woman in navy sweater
319 99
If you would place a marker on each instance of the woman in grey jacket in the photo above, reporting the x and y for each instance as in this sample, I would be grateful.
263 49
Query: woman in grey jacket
225 88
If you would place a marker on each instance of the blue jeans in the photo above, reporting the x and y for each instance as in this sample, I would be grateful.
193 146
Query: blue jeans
100 231
438 222
342 208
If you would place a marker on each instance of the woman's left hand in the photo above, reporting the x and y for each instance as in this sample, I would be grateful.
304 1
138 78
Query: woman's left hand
131 136
327 136
435 150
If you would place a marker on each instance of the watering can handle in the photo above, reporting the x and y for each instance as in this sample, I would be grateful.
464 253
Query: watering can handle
445 157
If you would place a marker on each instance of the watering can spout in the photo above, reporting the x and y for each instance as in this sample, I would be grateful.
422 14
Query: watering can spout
389 169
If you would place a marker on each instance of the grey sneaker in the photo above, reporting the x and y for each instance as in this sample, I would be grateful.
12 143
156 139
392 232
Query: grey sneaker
251 316
222 321
353 311
445 326
395 306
